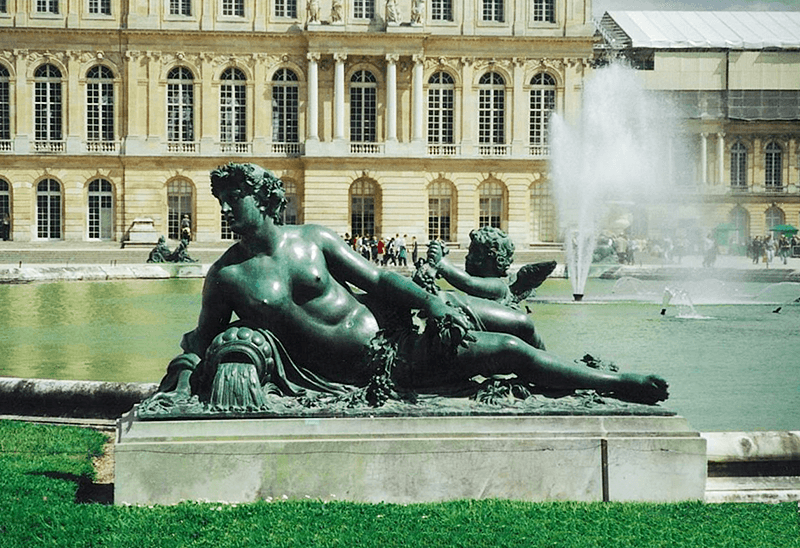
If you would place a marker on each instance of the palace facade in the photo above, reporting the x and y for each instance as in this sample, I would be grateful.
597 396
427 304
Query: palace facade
382 117
735 76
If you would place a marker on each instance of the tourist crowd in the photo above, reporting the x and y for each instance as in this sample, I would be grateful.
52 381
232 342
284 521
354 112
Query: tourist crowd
396 251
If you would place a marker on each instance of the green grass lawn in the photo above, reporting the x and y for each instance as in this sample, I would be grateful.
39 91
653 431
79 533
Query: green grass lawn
45 469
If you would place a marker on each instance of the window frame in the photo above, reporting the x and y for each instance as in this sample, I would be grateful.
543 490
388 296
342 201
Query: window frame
5 106
492 11
99 114
285 107
363 90
441 109
48 98
491 110
738 165
99 7
773 166
285 9
233 114
98 200
49 210
542 95
543 12
180 100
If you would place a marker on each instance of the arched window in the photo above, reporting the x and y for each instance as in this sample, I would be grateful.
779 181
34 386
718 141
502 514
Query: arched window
5 110
490 206
491 111
48 210
363 207
291 215
285 107
543 213
232 107
441 101
738 166
180 105
5 210
101 210
774 216
363 107
180 198
48 116
440 211
99 104
544 11
542 105
740 219
773 166
493 11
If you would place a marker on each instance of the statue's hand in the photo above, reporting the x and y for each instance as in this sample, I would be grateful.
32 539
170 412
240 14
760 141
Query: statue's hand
436 252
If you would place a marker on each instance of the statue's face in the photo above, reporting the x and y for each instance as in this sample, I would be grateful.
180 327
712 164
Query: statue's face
240 209
479 262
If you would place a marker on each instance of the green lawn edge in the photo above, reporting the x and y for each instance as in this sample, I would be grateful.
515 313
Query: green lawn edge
43 468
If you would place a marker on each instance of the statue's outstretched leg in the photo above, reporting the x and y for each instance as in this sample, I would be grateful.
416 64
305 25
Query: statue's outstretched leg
499 353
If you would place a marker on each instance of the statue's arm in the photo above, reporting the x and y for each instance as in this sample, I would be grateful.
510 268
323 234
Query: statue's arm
485 288
390 288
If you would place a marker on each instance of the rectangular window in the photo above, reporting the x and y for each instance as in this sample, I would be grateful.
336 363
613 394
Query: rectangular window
100 7
491 210
439 219
363 112
493 11
47 6
180 112
233 8
100 217
180 7
100 112
47 118
286 8
491 127
3 6
285 101
440 116
544 11
363 9
442 10
232 114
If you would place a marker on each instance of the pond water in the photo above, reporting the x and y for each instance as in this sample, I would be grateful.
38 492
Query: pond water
731 361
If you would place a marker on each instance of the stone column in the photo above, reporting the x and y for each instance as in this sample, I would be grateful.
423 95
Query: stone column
417 98
721 157
313 97
704 158
391 97
518 120
23 92
468 107
207 109
73 120
338 97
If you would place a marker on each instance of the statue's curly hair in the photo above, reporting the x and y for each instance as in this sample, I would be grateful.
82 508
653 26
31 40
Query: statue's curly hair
253 179
497 244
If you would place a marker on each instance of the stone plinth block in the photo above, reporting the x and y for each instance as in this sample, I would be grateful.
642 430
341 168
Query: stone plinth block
410 459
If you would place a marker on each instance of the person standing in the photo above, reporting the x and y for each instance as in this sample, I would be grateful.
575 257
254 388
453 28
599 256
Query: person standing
769 248
414 250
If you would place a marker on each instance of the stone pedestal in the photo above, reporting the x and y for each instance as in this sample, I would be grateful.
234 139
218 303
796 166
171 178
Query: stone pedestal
410 459
142 232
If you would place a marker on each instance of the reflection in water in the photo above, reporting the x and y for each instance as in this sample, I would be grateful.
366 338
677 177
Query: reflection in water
113 331
734 370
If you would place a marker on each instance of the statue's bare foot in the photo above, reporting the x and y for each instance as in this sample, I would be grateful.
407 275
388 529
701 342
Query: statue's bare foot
647 389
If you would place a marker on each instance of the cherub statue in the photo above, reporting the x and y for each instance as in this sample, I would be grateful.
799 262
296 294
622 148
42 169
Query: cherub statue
488 300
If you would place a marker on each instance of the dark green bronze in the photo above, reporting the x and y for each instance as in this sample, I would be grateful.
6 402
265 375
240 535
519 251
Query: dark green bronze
161 253
319 325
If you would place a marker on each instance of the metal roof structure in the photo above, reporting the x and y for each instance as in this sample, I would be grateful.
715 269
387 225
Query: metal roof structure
702 29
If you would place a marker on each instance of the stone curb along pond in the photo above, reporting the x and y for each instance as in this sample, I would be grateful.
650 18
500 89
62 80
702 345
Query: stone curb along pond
41 273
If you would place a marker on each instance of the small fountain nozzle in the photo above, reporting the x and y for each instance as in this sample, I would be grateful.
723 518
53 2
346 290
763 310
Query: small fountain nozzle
577 296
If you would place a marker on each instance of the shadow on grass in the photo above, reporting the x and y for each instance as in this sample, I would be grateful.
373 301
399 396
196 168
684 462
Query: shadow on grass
88 491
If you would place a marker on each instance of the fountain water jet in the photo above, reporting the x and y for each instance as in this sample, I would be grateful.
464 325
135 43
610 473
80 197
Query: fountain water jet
619 155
